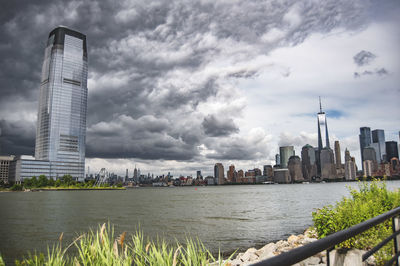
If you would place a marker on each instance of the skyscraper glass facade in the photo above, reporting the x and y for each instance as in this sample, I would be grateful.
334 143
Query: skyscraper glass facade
365 139
61 126
378 138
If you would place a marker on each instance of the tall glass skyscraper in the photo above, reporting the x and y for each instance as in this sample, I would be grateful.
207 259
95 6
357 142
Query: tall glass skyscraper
365 140
323 136
378 142
61 126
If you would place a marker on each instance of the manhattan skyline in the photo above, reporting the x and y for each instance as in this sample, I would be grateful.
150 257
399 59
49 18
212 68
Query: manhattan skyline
177 87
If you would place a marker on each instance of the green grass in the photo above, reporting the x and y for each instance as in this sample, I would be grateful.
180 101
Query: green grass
102 247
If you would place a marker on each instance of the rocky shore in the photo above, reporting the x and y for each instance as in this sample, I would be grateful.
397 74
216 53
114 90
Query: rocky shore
337 257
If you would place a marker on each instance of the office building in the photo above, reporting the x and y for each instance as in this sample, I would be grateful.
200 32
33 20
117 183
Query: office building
198 175
338 160
378 142
295 171
281 176
61 124
391 150
367 168
230 174
365 139
219 174
350 170
309 163
323 137
284 153
268 171
4 168
328 169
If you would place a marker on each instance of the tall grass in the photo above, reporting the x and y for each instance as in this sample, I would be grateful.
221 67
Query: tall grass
102 247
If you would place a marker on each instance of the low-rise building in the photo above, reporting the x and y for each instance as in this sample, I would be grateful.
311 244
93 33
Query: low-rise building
4 167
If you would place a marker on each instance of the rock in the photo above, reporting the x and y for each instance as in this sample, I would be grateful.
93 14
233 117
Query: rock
292 239
269 248
239 255
249 255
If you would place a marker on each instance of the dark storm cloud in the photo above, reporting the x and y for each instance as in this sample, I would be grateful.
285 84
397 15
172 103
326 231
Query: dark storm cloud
216 127
152 64
380 72
363 58
18 137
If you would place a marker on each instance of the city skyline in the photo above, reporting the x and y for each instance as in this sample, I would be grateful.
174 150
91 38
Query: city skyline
169 95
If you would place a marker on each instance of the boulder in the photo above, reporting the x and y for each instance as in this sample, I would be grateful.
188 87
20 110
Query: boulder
249 255
269 248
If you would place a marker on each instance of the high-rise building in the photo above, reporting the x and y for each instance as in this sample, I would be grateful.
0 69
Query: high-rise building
323 136
365 139
219 173
294 166
285 153
308 161
231 173
338 159
367 168
328 169
391 150
347 156
378 143
198 175
61 124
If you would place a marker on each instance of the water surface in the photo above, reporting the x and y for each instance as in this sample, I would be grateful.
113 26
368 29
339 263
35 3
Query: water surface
225 217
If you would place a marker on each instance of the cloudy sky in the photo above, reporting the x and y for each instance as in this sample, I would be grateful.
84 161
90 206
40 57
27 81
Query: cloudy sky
179 85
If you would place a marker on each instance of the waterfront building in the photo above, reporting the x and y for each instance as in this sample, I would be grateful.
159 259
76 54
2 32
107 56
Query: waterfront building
219 174
367 168
285 153
328 169
338 160
230 174
391 150
295 171
350 170
378 142
268 171
281 176
308 161
240 176
4 167
369 154
198 175
365 139
61 124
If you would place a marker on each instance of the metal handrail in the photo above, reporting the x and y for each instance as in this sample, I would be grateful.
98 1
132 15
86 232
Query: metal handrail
301 253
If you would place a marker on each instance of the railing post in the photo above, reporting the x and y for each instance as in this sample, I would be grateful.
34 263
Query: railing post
396 240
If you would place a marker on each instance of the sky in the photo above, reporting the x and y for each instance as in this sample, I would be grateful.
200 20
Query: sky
176 86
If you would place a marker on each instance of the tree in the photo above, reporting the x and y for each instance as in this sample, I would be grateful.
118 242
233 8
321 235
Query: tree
67 180
58 183
42 181
51 182
34 182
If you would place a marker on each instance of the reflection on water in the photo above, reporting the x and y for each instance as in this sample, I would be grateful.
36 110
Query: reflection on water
226 217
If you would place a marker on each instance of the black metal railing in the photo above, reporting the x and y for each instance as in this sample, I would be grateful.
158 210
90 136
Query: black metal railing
329 242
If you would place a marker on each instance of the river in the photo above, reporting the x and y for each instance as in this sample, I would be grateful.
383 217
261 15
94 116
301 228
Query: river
223 217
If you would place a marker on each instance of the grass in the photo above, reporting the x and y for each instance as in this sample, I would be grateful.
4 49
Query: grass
102 247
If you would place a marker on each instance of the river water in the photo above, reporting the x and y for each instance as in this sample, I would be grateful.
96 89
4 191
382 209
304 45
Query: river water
223 217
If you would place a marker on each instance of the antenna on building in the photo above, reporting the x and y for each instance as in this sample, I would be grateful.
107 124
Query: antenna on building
320 106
